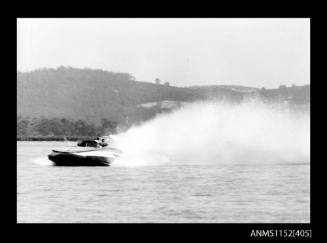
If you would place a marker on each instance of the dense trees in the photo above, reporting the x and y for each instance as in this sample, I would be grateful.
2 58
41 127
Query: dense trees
48 127
22 126
64 127
108 126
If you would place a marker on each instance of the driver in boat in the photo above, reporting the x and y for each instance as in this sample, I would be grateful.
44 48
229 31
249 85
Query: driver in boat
98 141
101 142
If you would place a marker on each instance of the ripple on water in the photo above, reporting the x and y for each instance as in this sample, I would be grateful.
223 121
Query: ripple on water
181 193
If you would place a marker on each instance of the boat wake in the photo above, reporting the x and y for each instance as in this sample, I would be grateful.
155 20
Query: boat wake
42 161
218 132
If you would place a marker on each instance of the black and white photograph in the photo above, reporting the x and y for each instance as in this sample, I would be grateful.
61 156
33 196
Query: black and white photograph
163 120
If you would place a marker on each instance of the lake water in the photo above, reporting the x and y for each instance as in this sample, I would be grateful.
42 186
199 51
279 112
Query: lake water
217 193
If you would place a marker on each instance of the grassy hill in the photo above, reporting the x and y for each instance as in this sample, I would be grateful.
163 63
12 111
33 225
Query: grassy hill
94 94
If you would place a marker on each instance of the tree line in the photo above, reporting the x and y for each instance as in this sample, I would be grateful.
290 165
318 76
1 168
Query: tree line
47 127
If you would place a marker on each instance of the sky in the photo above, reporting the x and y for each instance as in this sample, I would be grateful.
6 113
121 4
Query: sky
184 52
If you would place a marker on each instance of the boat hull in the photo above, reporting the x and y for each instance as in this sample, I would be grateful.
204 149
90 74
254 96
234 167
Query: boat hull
71 159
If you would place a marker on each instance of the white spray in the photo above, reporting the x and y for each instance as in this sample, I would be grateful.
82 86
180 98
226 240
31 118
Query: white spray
218 132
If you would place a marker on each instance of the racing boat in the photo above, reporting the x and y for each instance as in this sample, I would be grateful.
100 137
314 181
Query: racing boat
92 155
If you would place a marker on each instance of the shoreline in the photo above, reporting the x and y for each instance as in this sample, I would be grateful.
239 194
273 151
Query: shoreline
55 138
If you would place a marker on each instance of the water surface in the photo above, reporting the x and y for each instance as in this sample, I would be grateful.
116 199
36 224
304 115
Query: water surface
178 192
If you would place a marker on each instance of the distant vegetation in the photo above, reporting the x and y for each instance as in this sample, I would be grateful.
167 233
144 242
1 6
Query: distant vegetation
296 95
89 95
45 127
68 101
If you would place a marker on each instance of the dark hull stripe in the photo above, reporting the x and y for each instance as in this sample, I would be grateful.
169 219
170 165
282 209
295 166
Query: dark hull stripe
68 159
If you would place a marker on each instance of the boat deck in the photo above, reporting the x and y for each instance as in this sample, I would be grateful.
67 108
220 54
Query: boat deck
85 149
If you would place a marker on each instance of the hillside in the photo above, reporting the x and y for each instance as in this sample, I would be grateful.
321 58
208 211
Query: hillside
94 94
75 101
83 94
